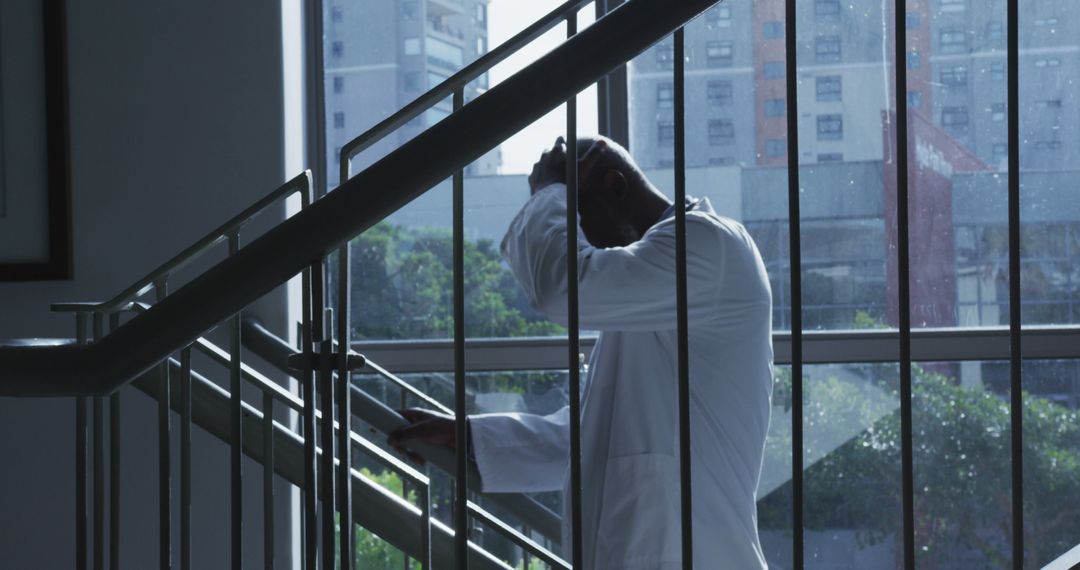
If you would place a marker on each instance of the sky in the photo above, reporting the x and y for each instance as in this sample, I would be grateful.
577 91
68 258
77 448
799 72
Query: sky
506 18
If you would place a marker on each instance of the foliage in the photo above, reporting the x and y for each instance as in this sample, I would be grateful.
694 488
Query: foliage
962 468
403 288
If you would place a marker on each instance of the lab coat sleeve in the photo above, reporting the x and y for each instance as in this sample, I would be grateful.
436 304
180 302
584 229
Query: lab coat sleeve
629 289
521 453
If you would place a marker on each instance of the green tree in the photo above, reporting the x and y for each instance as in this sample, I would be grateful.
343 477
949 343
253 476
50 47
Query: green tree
962 470
402 288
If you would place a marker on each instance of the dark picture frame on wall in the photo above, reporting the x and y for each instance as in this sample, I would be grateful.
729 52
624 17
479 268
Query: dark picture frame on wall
35 179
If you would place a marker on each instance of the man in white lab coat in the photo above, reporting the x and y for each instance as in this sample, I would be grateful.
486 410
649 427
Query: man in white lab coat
629 415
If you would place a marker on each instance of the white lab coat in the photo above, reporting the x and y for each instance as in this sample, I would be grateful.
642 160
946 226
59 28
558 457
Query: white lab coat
629 430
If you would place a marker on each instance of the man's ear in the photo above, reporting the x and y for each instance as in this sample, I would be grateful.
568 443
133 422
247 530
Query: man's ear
615 184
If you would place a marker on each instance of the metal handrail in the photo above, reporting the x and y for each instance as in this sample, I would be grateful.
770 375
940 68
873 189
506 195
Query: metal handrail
390 517
300 184
382 418
463 77
378 191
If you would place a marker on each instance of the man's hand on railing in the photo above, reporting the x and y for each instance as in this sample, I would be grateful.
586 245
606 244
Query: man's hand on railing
428 426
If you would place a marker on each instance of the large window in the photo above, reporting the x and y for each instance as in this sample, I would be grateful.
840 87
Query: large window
736 133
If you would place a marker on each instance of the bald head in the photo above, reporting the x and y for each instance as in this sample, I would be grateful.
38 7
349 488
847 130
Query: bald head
616 201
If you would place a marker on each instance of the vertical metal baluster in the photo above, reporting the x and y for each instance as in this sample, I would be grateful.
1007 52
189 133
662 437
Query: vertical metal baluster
326 442
681 309
461 504
425 525
99 461
574 344
903 278
268 480
81 475
185 459
114 467
1016 397
344 333
313 330
795 279
164 452
236 422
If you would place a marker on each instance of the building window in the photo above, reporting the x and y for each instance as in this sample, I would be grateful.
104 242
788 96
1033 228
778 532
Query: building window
339 84
412 46
445 54
481 13
913 60
337 155
409 10
719 54
1048 62
827 10
953 5
719 15
774 70
912 20
775 147
665 96
1048 145
828 88
481 45
337 14
830 157
411 81
665 133
775 107
997 112
914 99
1000 152
718 92
773 30
337 48
995 33
339 120
721 161
952 40
830 127
827 49
955 118
997 71
721 132
665 56
1048 104
954 75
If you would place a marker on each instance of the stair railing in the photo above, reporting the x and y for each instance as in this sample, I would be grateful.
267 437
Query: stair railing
300 244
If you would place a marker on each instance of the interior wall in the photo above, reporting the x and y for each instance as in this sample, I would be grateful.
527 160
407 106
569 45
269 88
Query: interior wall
176 124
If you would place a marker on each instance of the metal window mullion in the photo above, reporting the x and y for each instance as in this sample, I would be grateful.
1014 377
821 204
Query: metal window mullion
461 503
344 333
236 418
682 317
795 283
577 557
907 486
1016 397
185 458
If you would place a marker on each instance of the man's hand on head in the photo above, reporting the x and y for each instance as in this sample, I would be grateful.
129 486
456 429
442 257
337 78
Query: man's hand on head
550 169
428 426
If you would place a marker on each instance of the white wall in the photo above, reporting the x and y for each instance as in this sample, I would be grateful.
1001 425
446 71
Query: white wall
176 124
